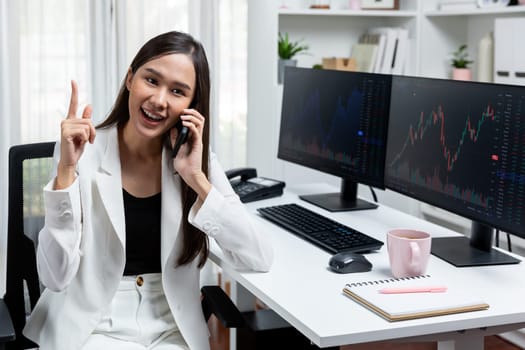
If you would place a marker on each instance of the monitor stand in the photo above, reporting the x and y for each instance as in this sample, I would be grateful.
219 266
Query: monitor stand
476 251
346 200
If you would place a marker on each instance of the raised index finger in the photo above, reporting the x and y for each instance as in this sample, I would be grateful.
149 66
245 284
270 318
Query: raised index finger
73 102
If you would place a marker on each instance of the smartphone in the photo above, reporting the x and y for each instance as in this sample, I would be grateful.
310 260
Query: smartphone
181 138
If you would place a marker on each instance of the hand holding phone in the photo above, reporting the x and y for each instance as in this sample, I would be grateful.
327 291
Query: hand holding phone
182 137
188 166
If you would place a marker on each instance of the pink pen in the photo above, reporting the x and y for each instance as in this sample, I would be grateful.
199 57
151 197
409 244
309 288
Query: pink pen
428 289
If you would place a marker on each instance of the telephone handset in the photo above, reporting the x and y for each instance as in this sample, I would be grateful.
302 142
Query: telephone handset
182 137
250 188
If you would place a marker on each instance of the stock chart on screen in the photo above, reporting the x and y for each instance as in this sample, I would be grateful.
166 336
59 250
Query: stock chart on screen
460 146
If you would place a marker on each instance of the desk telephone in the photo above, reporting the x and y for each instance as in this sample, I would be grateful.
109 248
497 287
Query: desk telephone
251 188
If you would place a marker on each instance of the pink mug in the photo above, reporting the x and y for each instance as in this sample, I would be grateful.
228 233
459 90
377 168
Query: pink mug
408 251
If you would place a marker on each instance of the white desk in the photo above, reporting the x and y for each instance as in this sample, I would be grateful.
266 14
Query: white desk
301 289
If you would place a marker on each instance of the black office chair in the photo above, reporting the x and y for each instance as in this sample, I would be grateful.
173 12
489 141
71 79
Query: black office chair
30 168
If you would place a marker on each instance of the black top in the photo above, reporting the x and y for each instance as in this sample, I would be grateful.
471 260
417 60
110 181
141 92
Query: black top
142 234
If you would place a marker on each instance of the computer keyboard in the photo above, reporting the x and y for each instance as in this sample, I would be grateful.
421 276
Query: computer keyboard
323 232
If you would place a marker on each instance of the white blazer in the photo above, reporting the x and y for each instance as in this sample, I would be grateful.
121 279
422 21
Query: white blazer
81 251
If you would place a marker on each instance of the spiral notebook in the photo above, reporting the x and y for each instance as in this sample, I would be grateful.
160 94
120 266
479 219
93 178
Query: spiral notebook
406 306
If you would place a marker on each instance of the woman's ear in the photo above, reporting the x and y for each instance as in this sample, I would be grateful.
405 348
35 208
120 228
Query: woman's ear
129 77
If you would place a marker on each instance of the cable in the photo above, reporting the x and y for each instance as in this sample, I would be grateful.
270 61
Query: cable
509 245
373 193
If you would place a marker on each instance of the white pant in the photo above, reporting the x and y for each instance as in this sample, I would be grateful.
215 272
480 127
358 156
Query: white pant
138 318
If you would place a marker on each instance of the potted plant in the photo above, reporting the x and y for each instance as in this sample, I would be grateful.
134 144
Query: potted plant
460 62
287 50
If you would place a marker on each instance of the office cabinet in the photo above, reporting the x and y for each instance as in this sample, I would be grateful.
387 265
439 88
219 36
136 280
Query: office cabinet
509 52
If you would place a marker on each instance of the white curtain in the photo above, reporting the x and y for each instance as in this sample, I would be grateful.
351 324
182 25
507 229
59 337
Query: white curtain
105 56
143 19
6 115
203 25
54 46
230 83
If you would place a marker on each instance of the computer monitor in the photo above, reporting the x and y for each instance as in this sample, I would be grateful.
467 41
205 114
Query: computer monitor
460 146
336 122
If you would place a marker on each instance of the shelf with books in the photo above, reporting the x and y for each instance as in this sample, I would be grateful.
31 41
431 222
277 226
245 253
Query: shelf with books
350 43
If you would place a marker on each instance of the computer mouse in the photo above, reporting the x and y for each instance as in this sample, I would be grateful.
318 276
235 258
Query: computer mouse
347 262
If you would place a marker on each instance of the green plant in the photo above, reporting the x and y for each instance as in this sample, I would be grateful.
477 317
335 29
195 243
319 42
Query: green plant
460 57
288 49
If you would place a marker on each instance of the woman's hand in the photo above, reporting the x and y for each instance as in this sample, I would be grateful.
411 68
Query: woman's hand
188 162
75 132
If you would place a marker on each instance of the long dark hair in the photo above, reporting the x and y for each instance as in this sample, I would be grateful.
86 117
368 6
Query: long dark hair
195 242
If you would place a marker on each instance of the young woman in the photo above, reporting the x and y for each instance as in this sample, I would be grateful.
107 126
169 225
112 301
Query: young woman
127 226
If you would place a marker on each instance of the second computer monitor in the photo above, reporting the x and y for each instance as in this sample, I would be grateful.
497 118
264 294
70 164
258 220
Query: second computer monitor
336 122
461 146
